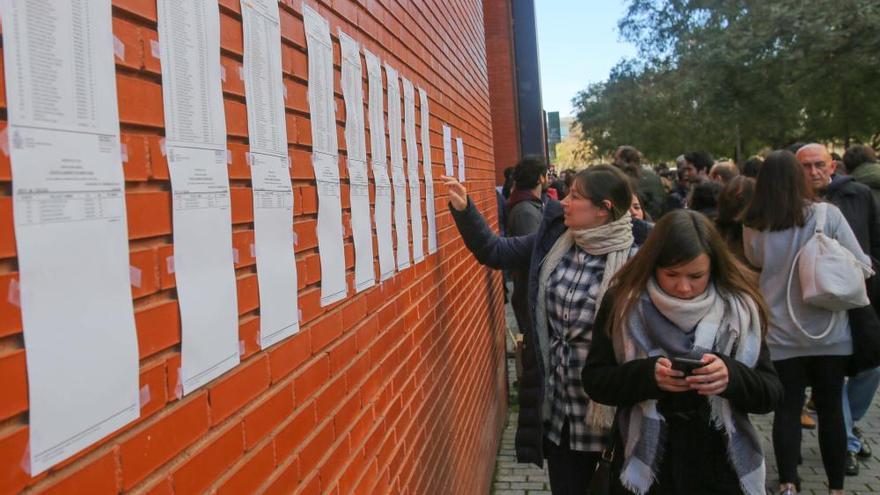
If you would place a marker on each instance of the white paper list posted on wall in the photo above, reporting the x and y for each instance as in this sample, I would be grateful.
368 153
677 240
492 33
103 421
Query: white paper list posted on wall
398 175
379 166
460 146
356 160
71 234
270 174
447 151
427 167
412 170
195 130
325 157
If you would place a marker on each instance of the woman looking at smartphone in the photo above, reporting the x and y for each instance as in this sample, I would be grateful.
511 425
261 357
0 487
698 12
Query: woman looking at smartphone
579 245
684 430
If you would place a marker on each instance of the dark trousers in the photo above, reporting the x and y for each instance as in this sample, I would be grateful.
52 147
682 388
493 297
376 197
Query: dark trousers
570 471
825 374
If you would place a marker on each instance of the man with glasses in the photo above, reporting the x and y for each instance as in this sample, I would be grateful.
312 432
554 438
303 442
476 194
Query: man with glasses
860 209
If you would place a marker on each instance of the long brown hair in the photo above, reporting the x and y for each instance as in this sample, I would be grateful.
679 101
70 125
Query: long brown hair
679 237
781 194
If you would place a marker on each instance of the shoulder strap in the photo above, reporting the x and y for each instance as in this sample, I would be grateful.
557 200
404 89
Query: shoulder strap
834 315
821 212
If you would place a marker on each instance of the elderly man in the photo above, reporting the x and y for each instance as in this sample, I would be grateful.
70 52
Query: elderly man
860 209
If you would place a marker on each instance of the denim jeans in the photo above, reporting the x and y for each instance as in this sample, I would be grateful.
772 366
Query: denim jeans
857 395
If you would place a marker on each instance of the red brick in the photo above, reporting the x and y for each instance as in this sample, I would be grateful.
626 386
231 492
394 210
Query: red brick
126 34
135 158
13 374
158 327
248 477
143 8
163 439
284 479
326 330
288 355
96 477
248 293
330 397
314 450
10 312
144 272
290 438
249 336
311 379
267 415
209 462
149 213
242 205
152 391
7 232
140 101
238 387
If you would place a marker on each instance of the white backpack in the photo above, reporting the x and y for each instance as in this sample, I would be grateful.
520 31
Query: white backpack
831 277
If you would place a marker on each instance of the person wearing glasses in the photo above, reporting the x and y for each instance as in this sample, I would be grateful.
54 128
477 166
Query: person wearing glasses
859 208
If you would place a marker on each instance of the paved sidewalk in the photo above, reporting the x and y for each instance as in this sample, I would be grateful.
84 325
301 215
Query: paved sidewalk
512 478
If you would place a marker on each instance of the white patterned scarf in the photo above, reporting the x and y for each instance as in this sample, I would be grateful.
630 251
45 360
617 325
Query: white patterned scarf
725 323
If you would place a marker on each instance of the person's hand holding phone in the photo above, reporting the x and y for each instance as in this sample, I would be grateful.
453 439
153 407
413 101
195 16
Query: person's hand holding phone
668 379
457 192
712 378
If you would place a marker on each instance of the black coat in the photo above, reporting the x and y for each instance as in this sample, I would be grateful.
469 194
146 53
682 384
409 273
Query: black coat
696 455
518 252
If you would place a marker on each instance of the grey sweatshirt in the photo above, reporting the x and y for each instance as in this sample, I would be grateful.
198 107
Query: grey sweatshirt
773 253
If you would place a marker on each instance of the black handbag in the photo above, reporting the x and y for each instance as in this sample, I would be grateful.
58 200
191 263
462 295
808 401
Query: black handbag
865 328
602 477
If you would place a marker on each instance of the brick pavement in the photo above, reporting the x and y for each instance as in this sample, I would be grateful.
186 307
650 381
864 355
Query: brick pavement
512 478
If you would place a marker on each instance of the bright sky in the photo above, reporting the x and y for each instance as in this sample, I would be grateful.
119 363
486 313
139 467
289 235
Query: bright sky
578 44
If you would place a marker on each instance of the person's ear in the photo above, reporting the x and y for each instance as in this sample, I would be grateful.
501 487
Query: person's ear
832 166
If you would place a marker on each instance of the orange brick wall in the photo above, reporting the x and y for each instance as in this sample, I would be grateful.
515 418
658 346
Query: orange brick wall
398 389
502 83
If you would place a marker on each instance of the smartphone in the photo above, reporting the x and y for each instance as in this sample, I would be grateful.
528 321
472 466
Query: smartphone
686 365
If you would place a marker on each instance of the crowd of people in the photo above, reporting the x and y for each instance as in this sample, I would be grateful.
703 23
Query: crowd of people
660 308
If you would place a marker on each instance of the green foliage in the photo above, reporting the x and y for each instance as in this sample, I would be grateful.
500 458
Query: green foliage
735 76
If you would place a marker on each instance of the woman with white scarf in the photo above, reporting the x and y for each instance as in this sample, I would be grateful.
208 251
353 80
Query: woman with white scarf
578 247
684 295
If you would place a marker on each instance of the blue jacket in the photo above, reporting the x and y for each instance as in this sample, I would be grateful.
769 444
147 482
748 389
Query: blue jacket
519 252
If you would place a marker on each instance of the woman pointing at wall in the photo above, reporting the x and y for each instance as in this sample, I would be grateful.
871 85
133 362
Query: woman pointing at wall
578 247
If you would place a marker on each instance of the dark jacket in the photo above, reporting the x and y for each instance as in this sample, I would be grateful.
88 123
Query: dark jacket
524 214
861 212
869 175
511 252
696 452
651 193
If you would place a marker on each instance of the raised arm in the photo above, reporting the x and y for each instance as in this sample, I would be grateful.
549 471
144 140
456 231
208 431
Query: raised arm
488 248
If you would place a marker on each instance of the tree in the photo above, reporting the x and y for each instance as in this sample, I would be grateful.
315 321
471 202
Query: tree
734 76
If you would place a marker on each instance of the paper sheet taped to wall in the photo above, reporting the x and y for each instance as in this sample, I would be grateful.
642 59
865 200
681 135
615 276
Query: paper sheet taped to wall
195 144
70 225
398 175
325 156
427 167
356 160
379 166
412 170
447 151
270 174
